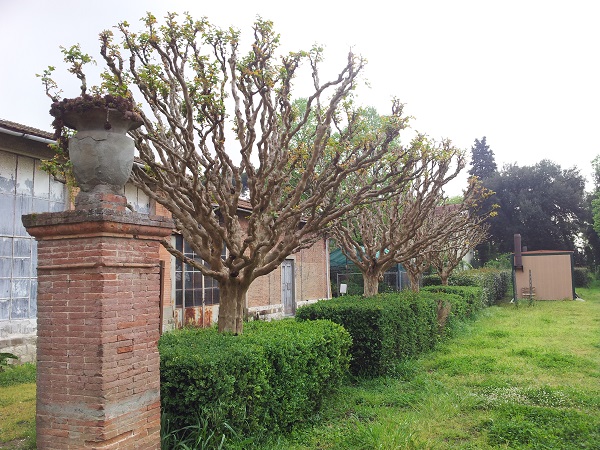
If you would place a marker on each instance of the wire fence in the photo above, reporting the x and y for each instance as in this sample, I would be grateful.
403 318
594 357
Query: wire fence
392 282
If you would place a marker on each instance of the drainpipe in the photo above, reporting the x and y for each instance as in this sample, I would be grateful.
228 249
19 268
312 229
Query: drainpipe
28 136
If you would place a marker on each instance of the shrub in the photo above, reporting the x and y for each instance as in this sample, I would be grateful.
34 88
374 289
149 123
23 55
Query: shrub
494 283
384 329
471 299
17 374
582 277
432 280
274 375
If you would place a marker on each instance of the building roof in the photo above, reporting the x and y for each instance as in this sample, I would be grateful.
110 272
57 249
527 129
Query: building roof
20 128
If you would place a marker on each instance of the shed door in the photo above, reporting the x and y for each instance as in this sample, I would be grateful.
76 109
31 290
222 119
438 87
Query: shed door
287 287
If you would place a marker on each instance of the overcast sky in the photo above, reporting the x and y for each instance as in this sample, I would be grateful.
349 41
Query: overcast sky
525 74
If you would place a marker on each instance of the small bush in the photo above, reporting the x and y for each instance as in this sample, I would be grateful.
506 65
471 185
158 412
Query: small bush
432 280
582 277
273 376
384 329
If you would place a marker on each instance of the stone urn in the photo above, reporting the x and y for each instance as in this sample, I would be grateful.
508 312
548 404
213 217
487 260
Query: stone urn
101 154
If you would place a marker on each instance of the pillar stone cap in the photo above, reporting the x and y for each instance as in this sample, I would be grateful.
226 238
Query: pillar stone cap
94 221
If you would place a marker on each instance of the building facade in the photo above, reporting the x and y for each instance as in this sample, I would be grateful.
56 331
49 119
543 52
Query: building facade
188 298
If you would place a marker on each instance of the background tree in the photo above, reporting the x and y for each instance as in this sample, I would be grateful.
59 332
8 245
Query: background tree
543 203
483 162
378 236
451 252
590 252
195 85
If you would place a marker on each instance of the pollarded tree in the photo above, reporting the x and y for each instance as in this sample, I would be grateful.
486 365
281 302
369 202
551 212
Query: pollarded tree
194 85
453 224
375 237
452 251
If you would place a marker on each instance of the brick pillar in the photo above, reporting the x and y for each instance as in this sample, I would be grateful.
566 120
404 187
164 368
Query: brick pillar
98 379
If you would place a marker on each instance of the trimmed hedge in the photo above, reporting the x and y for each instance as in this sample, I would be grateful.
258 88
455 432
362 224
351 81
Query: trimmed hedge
471 299
274 375
431 280
493 282
384 329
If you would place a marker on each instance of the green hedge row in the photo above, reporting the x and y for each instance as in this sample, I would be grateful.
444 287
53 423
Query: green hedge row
386 328
493 282
274 375
470 299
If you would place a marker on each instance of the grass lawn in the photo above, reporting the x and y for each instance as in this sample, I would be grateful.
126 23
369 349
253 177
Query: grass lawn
517 378
17 408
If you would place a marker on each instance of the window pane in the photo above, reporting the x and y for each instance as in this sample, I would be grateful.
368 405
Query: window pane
189 298
33 300
21 268
178 281
20 288
208 297
6 246
5 267
8 165
40 205
20 308
197 280
7 206
22 207
5 288
4 309
58 192
56 207
22 247
41 185
25 176
178 298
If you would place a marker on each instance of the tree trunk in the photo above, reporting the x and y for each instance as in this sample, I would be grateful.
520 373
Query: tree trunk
231 306
371 282
444 277
414 281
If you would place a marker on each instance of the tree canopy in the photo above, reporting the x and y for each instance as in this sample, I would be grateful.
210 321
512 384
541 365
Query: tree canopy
543 203
301 167
483 163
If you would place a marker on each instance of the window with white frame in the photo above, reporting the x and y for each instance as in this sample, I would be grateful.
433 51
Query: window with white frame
24 188
191 287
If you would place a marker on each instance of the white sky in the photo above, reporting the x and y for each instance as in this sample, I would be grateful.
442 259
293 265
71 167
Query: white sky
525 74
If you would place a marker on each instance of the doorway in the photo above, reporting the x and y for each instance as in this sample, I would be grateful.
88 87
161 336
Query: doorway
287 287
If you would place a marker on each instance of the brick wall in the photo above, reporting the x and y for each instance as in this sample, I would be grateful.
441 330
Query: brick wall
98 327
310 282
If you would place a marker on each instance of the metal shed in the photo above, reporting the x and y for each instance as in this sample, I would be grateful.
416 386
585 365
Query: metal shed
543 274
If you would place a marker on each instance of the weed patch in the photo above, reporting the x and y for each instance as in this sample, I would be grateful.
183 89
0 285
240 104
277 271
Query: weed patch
523 426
